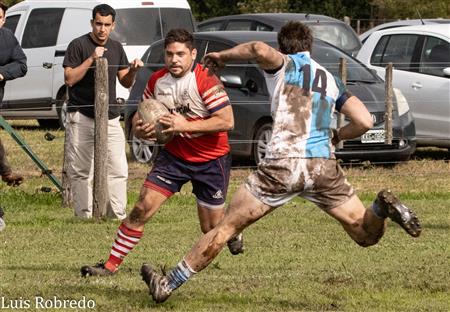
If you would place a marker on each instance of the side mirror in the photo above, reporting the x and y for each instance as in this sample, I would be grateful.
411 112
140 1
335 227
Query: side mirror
231 81
446 71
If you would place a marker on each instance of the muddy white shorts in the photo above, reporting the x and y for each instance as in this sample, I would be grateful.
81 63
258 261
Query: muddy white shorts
319 180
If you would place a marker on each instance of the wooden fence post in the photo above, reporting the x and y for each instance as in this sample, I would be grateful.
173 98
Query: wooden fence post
388 113
343 76
67 196
347 20
100 196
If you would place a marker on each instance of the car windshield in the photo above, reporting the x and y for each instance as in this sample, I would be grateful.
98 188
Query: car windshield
336 34
329 57
143 26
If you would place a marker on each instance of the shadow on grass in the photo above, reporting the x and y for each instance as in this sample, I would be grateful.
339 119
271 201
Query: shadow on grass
37 268
431 153
261 304
436 226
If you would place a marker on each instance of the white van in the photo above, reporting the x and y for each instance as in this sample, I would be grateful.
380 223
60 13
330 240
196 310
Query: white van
44 30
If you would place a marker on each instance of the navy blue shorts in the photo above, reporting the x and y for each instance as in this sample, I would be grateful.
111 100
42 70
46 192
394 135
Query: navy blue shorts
209 179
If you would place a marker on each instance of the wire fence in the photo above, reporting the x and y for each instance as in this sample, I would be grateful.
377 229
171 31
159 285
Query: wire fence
325 64
132 105
241 163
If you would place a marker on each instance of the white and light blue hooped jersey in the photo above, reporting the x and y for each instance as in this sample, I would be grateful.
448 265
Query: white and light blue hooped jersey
303 101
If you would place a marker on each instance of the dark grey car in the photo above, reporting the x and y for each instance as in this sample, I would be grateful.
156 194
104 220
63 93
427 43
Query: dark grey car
325 28
250 99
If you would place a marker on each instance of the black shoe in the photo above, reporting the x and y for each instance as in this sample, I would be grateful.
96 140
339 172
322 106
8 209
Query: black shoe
158 284
236 245
12 179
95 270
391 206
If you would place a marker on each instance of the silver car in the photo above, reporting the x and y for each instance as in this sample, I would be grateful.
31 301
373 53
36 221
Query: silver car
421 60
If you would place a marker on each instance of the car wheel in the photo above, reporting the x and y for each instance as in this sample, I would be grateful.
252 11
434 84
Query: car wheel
261 139
143 151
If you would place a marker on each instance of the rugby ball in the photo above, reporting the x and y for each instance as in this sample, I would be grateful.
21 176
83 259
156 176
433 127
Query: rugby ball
150 111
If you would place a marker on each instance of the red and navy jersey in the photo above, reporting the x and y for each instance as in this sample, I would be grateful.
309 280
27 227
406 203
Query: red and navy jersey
196 96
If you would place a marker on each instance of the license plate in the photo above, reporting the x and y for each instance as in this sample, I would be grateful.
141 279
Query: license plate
373 136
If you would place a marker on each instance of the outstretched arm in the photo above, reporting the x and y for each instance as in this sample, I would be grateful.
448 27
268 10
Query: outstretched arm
360 120
267 57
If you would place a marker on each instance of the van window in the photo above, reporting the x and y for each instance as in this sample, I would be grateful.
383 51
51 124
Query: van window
143 26
42 28
11 22
176 18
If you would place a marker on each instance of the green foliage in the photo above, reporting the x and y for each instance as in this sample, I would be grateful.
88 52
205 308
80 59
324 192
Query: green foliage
10 2
356 9
263 6
401 9
204 9
334 8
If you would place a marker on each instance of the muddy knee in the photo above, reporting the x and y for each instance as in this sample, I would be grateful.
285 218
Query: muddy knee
139 213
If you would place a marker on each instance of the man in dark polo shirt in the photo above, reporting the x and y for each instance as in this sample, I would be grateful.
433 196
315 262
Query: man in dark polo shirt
79 74
13 64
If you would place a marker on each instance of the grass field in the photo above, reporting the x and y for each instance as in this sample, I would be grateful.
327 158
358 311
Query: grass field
297 259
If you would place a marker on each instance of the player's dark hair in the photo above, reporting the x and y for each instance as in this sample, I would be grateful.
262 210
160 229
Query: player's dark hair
3 6
294 37
104 10
179 35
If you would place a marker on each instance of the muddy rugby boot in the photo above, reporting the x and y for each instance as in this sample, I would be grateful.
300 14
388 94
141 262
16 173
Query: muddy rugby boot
392 208
236 245
158 284
96 270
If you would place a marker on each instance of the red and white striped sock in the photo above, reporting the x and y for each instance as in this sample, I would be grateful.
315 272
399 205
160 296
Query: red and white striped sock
125 241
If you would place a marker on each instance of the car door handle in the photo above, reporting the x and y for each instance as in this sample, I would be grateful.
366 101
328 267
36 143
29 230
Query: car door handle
416 85
47 65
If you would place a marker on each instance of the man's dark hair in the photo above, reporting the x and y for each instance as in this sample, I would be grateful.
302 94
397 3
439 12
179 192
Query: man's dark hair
294 37
179 35
3 6
104 10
